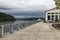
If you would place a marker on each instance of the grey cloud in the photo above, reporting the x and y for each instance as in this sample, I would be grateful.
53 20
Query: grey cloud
23 4
25 7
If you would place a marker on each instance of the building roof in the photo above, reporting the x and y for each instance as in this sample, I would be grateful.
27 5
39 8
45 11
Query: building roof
51 9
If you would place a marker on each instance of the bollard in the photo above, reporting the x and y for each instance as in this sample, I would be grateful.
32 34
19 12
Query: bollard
17 27
23 24
1 31
11 28
27 24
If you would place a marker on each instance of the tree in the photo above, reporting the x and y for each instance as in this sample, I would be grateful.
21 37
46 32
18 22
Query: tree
57 2
6 17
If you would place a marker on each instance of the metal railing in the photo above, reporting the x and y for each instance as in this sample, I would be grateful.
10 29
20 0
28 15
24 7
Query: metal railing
11 27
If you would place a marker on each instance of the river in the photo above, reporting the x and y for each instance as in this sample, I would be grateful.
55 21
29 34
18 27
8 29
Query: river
7 26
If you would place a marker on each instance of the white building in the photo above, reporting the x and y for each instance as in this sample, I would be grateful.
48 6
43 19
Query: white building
52 15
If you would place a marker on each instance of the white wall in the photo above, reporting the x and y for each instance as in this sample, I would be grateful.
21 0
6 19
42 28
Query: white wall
52 11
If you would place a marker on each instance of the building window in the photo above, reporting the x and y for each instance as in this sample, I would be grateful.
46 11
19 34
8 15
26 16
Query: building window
52 13
52 17
56 13
56 17
59 17
48 17
59 12
48 13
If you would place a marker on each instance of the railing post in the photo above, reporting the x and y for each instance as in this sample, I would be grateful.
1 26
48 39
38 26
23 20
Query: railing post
17 27
1 30
23 24
27 24
11 28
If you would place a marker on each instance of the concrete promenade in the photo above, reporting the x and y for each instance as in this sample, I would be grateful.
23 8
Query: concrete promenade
38 31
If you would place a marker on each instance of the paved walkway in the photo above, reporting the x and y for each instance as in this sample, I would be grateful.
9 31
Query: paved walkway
38 31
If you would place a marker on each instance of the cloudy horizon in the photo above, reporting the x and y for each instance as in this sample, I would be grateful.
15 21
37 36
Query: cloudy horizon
26 7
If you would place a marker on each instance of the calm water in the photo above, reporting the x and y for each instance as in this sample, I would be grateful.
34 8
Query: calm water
7 28
15 22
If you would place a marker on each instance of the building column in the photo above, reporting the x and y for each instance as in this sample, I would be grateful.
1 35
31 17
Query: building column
1 30
50 17
58 16
54 17
46 17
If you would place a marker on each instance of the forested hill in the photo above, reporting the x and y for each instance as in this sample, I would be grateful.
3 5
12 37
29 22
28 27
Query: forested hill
6 17
57 2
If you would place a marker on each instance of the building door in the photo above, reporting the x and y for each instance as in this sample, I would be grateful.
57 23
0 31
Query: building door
56 17
59 17
48 17
52 17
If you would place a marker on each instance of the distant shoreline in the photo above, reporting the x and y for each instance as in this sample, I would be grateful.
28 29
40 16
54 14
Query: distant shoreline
6 17
27 19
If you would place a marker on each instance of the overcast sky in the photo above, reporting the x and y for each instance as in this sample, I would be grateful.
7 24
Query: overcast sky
26 5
